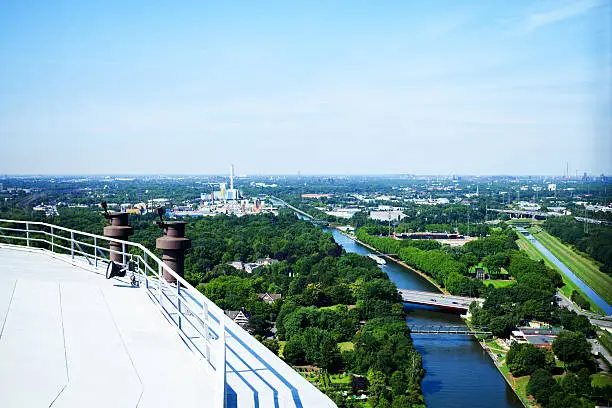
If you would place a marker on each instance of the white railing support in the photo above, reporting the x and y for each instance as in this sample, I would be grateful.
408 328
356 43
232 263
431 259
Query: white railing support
178 304
159 285
222 359
28 234
204 317
146 262
72 244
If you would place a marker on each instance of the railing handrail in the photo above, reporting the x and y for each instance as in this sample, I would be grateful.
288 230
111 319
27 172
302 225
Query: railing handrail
109 239
208 306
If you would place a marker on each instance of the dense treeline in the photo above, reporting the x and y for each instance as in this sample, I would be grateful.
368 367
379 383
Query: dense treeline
325 304
531 297
448 266
574 388
327 298
597 242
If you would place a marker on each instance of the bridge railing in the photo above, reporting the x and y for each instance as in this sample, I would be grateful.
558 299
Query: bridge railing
199 321
440 329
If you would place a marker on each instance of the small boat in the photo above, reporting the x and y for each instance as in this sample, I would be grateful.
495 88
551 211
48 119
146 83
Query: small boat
378 259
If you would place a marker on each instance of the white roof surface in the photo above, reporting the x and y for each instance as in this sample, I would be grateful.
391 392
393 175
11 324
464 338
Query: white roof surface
71 338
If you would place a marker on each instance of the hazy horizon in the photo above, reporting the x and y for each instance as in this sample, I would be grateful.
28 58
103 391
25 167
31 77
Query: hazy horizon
245 175
349 88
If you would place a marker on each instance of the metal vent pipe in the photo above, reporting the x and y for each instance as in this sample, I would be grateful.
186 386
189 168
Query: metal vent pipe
119 229
173 245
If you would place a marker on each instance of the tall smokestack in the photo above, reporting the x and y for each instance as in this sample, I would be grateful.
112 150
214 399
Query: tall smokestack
232 177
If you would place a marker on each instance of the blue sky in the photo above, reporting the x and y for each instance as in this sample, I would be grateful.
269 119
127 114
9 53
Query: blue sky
355 87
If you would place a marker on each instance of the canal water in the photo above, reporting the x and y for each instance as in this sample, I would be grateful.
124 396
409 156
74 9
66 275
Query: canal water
599 301
459 372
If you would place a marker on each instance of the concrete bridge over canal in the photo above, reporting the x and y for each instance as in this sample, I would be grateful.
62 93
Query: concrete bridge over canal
461 303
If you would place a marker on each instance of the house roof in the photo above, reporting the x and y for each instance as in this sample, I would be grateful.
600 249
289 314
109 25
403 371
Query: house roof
273 296
531 331
233 313
540 340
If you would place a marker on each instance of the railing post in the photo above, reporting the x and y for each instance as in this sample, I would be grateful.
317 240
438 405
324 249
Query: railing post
178 304
204 318
123 252
96 251
146 272
28 233
52 240
159 283
222 357
72 244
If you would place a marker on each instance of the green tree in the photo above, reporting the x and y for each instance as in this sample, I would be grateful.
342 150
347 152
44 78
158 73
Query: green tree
501 326
377 383
383 403
541 385
294 351
272 345
401 401
398 383
580 300
572 347
524 359
229 292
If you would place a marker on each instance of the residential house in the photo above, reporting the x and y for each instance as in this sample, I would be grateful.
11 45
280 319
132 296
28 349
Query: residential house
240 317
268 297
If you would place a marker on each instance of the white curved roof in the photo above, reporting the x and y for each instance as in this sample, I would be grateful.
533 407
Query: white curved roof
71 338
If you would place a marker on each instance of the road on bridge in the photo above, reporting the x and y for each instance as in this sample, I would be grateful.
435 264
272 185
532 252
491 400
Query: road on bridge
438 299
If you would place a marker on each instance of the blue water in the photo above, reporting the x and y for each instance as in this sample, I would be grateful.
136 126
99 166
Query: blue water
585 288
459 373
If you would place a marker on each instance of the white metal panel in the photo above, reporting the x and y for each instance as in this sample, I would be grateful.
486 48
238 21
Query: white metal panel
7 287
32 362
172 376
100 371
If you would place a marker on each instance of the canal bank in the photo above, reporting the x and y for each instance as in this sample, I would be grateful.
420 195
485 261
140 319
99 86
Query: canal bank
565 270
392 259
459 371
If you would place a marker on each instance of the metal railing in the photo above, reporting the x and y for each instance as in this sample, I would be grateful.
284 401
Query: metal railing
199 322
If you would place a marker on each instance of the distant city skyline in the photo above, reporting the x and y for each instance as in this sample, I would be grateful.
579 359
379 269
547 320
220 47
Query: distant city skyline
349 88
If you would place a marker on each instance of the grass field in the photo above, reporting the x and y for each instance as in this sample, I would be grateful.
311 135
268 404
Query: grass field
520 221
520 385
521 388
601 380
525 245
346 346
495 347
499 283
343 379
605 339
586 269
